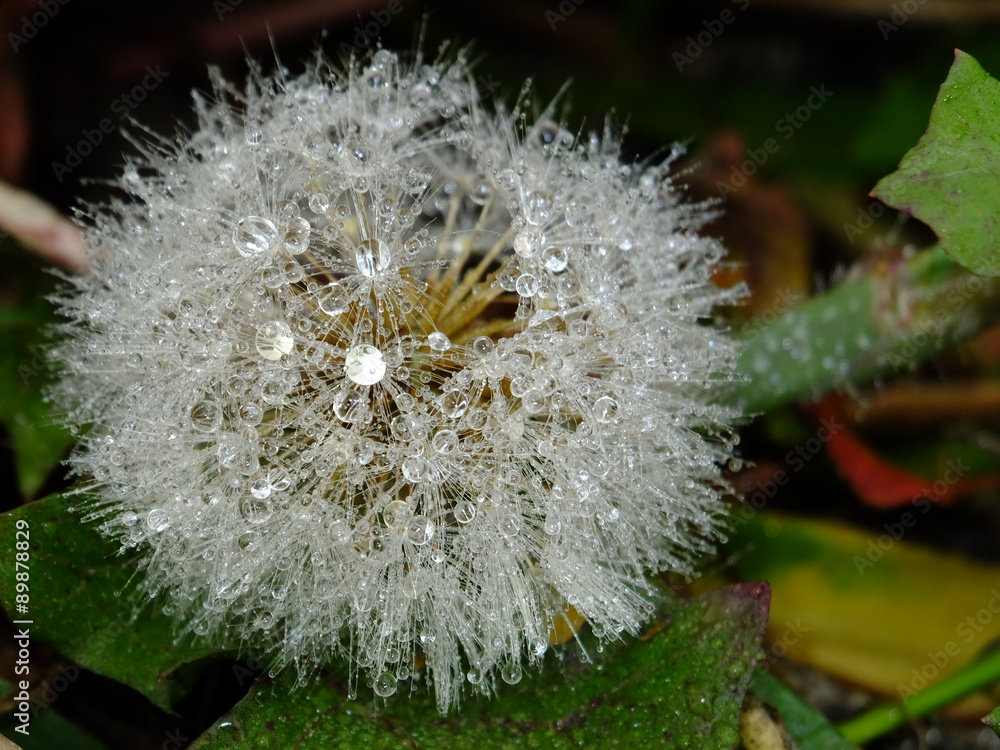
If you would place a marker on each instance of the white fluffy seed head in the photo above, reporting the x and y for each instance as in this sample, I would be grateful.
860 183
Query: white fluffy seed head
375 371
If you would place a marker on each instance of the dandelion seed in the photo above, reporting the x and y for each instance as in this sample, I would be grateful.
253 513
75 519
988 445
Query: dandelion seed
418 375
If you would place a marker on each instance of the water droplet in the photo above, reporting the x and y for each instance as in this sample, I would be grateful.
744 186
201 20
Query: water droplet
438 341
372 256
454 404
552 526
318 203
260 489
254 235
420 530
526 285
445 442
537 646
465 511
364 364
605 409
555 259
339 530
251 414
482 345
510 525
481 193
348 405
511 673
474 676
206 416
264 620
385 684
256 510
157 520
332 299
274 340
297 235
415 469
538 208
526 242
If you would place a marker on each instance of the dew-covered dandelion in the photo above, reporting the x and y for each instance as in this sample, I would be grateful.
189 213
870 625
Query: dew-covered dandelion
375 370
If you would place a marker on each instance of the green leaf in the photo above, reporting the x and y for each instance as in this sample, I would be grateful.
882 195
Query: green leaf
75 576
992 720
681 688
805 724
37 441
949 179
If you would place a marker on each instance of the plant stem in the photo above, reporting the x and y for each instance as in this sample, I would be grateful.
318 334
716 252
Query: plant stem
981 673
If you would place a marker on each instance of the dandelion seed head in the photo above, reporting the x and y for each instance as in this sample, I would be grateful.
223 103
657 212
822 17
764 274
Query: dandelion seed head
376 370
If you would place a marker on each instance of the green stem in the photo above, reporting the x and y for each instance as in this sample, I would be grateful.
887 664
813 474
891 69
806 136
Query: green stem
883 322
981 673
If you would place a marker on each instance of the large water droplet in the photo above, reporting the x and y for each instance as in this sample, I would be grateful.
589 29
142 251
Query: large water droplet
385 684
274 340
332 299
157 520
538 208
605 409
438 341
256 509
454 404
364 365
372 256
297 235
445 442
254 235
465 511
526 285
206 416
555 259
420 530
348 405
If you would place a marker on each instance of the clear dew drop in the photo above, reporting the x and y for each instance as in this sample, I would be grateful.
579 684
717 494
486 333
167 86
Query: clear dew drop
605 409
297 233
256 509
454 404
555 259
385 684
157 520
332 299
420 530
526 243
371 257
537 646
482 345
438 342
444 442
206 416
274 340
465 511
260 488
538 207
526 285
511 673
348 405
318 203
474 676
364 364
254 235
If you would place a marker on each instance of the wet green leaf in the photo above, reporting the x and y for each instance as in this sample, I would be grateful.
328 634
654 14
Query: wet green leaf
680 688
37 441
948 180
75 576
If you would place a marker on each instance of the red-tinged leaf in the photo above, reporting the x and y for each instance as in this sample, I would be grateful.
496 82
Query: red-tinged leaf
882 484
